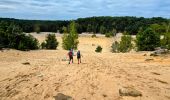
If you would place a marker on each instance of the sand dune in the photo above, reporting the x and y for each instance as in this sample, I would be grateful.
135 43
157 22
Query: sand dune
98 77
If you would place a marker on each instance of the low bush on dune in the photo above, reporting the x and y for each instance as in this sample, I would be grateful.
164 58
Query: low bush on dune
109 34
98 49
125 45
94 36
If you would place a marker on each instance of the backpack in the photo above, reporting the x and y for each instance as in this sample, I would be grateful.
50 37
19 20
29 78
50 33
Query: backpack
78 54
70 54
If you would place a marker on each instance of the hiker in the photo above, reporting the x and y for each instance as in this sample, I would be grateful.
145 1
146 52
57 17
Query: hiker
79 56
70 54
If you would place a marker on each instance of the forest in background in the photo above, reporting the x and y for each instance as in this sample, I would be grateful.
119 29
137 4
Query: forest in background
105 24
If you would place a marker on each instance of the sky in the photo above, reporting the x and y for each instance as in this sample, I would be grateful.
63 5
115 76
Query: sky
73 9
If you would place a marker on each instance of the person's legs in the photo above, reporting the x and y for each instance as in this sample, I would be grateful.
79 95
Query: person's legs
72 59
78 60
69 60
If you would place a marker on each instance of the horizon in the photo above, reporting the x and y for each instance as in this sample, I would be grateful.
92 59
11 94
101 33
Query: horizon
72 10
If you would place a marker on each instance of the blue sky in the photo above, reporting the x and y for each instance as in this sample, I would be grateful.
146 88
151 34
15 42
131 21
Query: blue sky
73 9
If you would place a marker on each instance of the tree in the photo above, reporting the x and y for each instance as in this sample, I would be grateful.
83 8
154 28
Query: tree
51 41
70 40
147 40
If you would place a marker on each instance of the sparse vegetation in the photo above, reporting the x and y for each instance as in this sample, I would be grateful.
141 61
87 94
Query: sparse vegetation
125 44
94 35
11 36
147 40
98 49
109 34
115 47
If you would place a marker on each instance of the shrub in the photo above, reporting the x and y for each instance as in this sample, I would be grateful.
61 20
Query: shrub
70 40
11 36
43 45
51 41
125 44
147 40
165 42
108 34
115 46
94 35
26 42
98 49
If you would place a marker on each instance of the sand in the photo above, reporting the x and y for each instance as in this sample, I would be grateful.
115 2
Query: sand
98 77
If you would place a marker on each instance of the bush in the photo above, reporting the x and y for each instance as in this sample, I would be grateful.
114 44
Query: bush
27 42
51 41
43 45
108 34
147 40
98 49
94 36
115 47
165 42
11 36
125 44
70 40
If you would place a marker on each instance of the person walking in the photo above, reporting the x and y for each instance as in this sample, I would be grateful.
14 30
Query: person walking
79 56
70 54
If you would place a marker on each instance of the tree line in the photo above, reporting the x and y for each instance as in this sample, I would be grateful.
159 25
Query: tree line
147 39
101 25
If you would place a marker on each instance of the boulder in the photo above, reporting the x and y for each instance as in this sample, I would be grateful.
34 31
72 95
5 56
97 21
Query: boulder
128 91
61 96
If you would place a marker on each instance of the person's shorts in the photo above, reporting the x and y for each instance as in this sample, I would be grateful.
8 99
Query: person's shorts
71 57
78 57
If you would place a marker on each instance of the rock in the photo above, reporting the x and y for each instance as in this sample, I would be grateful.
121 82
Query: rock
145 55
93 45
128 91
26 63
61 96
153 54
149 59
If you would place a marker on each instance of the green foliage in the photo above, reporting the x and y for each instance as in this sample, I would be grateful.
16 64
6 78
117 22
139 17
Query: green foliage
165 42
98 49
91 24
125 44
94 35
115 47
70 40
109 34
43 45
11 36
51 41
158 28
147 40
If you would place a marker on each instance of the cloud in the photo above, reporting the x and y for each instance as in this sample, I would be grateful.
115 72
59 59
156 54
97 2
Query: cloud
72 9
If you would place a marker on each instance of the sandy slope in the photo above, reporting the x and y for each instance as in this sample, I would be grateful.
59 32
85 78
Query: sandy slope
99 77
